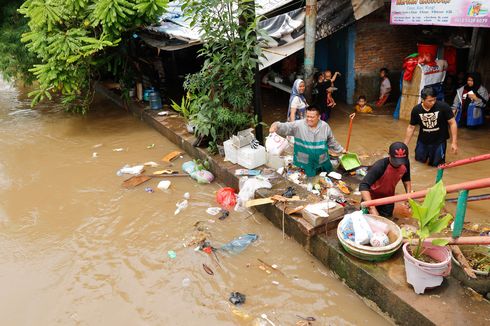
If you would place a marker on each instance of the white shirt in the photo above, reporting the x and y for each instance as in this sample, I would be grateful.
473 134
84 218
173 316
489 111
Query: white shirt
385 87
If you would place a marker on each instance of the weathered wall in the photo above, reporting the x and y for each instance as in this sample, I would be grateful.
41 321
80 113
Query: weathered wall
378 45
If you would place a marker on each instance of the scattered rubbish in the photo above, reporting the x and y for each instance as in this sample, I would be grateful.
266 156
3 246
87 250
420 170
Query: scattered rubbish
275 282
273 266
187 195
186 282
361 171
247 191
150 146
270 200
335 175
117 149
189 167
160 172
343 187
181 205
207 269
240 314
95 154
321 208
207 250
237 298
224 215
243 172
306 318
164 184
202 176
97 145
290 192
163 113
280 171
213 211
226 197
139 179
151 163
171 254
276 144
267 319
211 221
171 156
379 239
149 190
127 169
239 244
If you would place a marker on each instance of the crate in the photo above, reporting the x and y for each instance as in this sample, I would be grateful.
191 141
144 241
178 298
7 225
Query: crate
251 158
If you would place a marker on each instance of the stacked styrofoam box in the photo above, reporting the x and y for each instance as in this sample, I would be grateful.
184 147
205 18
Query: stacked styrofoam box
251 158
231 152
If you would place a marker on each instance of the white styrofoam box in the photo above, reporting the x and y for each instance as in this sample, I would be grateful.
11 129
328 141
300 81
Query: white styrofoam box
251 158
231 152
275 161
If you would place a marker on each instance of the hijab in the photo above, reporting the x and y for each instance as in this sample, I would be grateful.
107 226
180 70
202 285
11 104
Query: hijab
295 92
476 82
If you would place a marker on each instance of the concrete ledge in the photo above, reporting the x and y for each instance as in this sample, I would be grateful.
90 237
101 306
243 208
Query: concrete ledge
383 283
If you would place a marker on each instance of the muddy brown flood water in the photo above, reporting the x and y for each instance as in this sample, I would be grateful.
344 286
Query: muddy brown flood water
78 249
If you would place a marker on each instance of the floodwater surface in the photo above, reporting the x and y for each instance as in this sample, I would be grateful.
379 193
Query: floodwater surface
78 249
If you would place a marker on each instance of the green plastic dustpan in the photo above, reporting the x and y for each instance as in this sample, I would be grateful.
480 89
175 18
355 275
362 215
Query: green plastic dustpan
350 161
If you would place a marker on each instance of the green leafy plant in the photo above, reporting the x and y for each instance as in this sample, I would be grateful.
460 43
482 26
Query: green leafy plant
429 218
77 41
187 108
222 89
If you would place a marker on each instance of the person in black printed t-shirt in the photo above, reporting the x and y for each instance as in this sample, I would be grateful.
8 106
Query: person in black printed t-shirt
436 121
384 175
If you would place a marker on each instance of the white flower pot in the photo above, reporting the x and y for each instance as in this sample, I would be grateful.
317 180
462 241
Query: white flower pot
423 275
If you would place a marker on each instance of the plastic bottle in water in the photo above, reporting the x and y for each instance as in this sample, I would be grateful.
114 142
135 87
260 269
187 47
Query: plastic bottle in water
181 205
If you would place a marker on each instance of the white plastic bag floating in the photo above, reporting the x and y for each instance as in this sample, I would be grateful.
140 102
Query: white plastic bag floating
275 144
127 169
362 230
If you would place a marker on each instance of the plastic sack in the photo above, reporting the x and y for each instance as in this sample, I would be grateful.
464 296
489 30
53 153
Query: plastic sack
239 244
202 176
379 239
275 144
247 191
377 226
475 116
226 197
127 169
347 228
362 230
181 205
189 167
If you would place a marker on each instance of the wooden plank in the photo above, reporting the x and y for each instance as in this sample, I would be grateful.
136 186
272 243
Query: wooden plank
171 156
269 200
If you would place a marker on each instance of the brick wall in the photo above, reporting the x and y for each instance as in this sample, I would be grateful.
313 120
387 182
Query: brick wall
378 45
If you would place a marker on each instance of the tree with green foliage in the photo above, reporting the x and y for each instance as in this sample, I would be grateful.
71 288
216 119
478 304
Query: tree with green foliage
76 41
222 89
15 60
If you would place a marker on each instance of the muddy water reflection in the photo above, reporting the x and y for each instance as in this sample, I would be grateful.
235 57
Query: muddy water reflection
79 249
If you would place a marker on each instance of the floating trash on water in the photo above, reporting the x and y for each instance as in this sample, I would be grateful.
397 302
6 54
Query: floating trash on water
239 244
207 269
171 254
149 190
213 210
151 163
186 282
224 215
240 314
181 205
97 146
164 185
237 298
275 282
187 195
117 149
150 146
95 154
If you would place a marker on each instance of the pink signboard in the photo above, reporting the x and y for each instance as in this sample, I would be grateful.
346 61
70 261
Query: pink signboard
469 13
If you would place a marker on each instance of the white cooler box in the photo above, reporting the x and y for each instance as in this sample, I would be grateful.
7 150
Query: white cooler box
275 161
251 158
231 152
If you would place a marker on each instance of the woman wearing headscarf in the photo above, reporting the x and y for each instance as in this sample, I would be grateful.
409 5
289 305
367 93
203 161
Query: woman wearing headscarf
297 101
470 101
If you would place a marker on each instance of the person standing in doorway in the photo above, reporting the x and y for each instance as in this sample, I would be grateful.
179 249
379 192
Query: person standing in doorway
297 101
436 121
384 87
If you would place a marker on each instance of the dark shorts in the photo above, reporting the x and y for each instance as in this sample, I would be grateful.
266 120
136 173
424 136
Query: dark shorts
386 210
430 154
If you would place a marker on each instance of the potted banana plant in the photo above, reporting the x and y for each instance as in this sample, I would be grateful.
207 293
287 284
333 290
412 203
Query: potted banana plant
426 264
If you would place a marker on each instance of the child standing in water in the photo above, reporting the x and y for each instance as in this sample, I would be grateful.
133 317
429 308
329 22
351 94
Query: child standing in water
329 80
362 106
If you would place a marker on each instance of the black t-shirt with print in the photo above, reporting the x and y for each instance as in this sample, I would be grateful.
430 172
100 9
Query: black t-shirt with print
434 127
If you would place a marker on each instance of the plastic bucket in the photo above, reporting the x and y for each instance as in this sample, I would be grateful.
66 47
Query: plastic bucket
423 275
427 50
155 100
